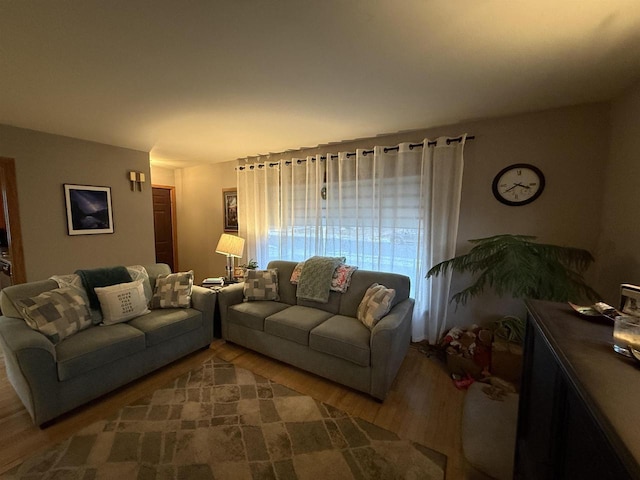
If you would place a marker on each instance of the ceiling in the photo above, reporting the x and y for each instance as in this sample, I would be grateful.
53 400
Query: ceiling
211 80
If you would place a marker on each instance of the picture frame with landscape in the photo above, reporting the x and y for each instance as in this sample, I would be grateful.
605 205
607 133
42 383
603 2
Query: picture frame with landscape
89 210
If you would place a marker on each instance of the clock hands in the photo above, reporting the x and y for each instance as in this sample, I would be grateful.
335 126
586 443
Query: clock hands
516 185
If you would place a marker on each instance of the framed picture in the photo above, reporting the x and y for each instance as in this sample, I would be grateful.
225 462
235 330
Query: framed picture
230 205
89 209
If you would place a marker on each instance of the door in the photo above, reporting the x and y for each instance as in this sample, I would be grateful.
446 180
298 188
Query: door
164 225
11 214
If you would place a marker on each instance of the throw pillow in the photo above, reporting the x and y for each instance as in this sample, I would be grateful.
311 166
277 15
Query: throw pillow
342 278
122 302
74 281
261 285
57 313
173 290
295 275
138 272
375 304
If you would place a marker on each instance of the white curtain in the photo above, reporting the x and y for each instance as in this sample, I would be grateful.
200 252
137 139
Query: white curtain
390 209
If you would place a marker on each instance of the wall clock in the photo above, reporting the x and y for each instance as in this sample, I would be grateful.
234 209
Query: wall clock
518 184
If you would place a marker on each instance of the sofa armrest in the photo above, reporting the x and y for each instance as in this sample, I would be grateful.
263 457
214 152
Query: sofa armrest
204 300
17 336
30 362
390 340
228 296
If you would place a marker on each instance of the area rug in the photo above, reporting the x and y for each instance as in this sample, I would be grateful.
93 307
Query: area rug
224 422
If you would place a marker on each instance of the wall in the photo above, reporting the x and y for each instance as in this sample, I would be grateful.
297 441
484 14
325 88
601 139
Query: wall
163 176
570 145
619 245
44 162
200 220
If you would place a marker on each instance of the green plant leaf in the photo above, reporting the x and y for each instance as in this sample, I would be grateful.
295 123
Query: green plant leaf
518 266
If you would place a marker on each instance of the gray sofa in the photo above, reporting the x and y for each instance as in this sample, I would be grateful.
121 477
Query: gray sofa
53 379
325 339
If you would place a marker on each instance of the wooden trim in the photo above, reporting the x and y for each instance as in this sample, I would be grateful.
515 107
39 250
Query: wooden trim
9 189
174 223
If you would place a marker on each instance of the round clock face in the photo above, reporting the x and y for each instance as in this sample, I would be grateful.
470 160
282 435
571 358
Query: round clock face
518 184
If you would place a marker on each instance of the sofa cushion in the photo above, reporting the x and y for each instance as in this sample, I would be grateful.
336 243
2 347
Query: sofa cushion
375 304
161 325
252 314
96 347
343 337
261 285
58 313
122 302
295 323
173 290
286 290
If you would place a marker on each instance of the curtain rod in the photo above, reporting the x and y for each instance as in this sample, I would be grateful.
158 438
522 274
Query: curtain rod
366 152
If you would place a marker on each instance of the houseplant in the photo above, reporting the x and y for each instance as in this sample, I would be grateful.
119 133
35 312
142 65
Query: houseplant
523 268
517 265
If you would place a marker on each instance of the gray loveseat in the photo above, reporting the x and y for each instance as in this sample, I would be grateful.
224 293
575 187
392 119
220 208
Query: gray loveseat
325 338
53 379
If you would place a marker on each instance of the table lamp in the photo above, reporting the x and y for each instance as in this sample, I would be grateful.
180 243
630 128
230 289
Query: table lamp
231 246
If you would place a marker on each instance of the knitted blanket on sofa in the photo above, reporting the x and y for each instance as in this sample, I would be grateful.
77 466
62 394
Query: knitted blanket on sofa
315 278
102 277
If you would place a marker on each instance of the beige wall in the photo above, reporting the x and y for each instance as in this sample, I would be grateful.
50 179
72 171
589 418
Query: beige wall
200 222
619 245
44 163
570 146
163 176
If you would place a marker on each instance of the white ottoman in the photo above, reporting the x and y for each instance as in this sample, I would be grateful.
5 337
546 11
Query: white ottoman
489 431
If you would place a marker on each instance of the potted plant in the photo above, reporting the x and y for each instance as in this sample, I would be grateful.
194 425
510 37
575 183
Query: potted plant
523 268
250 265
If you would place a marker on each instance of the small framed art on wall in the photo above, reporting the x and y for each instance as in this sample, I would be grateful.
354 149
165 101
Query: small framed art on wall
89 210
230 206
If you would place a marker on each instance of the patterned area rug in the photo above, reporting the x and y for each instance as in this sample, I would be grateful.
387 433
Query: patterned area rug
224 422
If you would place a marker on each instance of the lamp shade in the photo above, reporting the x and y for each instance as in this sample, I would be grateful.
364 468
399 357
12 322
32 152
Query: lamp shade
230 245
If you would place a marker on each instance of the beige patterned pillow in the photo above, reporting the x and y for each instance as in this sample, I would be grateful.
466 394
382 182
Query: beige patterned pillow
375 304
261 285
57 313
173 290
122 302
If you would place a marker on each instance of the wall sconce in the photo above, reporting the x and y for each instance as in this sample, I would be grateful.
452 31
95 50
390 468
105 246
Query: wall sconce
136 179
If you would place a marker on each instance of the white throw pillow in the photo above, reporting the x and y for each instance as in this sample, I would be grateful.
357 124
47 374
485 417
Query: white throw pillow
122 302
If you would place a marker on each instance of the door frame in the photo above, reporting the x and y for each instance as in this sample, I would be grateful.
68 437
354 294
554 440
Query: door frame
9 192
174 225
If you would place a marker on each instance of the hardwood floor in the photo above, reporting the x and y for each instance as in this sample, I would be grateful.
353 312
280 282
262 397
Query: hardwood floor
423 405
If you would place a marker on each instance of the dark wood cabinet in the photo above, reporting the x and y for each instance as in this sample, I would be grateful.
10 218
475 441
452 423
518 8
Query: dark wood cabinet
579 413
